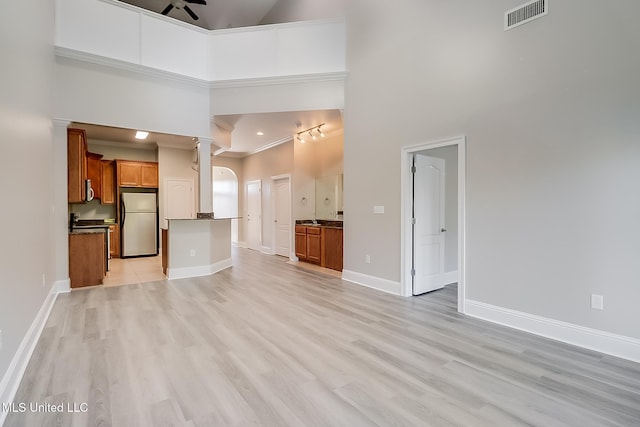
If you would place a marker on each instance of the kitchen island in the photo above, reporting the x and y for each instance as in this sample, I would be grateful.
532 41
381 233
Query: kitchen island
196 247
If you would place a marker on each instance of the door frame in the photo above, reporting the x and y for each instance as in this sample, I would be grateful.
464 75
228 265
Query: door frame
406 248
292 252
259 182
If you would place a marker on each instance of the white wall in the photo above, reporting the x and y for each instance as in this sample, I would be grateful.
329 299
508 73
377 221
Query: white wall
550 114
26 174
263 166
303 10
175 163
278 50
98 94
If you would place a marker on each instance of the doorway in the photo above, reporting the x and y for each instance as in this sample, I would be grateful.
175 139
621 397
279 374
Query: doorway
432 224
282 216
225 197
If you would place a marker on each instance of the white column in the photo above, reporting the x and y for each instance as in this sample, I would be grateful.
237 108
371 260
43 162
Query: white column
60 204
204 175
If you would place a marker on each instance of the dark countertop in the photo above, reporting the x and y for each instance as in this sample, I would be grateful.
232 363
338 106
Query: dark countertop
203 219
88 230
321 223
80 229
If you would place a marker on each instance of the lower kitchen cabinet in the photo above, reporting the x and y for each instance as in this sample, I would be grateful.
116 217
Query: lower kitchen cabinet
320 245
301 242
314 248
114 241
87 261
332 248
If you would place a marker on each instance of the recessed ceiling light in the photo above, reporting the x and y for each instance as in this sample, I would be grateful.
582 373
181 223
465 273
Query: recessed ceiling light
141 134
260 133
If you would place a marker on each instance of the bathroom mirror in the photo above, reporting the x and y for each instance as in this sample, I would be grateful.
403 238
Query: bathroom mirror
329 197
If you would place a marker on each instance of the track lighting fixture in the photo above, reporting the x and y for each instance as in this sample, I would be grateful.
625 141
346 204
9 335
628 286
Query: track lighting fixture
312 131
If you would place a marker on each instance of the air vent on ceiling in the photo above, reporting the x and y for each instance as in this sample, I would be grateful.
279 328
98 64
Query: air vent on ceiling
525 13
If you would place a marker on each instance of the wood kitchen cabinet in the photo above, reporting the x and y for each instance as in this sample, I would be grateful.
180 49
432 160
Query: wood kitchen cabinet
332 248
94 173
301 242
87 261
108 187
320 245
313 245
308 244
149 175
114 241
76 165
137 174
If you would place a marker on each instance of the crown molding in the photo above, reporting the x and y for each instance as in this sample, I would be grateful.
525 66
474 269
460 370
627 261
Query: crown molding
338 76
271 145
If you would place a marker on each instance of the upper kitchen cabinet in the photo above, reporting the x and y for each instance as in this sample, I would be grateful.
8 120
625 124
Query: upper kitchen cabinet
108 190
94 173
137 174
77 165
149 172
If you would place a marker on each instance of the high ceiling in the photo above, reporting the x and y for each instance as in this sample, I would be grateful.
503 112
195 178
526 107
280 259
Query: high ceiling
222 14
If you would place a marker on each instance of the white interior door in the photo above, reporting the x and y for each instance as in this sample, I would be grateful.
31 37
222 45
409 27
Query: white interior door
429 227
254 215
282 221
180 199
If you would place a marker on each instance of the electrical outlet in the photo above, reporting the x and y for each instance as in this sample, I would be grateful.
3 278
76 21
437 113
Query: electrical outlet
378 210
192 252
367 259
597 302
44 279
0 339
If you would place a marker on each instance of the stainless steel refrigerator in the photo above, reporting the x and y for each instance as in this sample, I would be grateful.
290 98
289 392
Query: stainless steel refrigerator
139 224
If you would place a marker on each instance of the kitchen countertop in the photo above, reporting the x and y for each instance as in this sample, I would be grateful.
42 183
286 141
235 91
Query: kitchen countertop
79 229
322 223
87 230
203 219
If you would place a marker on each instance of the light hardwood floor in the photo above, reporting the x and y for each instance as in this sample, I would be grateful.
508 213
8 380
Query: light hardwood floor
268 344
127 271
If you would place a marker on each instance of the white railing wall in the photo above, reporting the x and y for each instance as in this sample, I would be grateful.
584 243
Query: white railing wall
121 32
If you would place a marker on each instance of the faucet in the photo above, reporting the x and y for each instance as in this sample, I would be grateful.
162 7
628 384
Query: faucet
73 220
314 222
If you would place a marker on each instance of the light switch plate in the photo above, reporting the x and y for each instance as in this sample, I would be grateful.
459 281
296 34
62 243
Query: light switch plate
597 302
378 209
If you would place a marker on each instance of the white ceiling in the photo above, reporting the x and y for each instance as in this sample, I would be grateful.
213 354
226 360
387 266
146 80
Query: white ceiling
276 128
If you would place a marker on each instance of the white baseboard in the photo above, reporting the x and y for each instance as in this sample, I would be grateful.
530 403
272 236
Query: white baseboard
242 244
593 339
62 286
372 282
198 271
13 376
267 250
